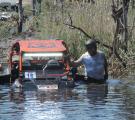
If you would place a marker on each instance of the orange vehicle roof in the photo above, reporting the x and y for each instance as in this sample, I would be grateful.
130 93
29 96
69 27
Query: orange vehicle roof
42 45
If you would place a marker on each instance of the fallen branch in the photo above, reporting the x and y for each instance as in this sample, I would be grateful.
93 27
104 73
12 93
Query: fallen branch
87 35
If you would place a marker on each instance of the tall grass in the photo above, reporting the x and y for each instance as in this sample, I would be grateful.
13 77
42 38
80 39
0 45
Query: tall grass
95 19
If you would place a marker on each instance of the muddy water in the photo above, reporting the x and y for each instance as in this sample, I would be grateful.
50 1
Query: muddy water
112 101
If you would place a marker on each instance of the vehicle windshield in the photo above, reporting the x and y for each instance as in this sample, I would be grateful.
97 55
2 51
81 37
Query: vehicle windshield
36 61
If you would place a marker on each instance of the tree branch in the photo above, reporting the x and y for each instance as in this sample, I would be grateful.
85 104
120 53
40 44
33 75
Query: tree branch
87 35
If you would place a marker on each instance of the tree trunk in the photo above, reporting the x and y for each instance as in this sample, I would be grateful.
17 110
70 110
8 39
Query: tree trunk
125 19
34 2
39 6
119 13
20 11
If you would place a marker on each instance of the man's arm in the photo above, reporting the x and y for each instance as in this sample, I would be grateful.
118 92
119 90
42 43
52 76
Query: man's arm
75 63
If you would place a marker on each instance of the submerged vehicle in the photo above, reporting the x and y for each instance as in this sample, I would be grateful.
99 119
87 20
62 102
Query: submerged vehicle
42 62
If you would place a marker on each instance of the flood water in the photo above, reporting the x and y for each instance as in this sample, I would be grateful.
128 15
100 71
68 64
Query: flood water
112 101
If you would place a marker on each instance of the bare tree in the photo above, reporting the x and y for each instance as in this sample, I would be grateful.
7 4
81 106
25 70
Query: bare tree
34 7
119 14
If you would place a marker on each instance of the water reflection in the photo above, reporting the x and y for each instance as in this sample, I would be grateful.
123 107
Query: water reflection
97 93
17 96
84 102
56 95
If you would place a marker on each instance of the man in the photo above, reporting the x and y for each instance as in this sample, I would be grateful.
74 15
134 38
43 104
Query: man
94 62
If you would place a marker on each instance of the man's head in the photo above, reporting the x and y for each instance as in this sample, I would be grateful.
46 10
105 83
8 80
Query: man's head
91 47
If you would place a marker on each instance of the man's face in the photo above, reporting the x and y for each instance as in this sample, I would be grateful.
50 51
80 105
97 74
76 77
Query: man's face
92 50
